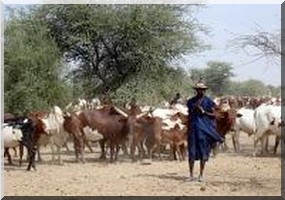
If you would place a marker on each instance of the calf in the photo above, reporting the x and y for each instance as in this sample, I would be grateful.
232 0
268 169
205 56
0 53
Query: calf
177 139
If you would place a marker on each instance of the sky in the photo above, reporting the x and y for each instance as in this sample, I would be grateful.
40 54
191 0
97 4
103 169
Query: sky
225 21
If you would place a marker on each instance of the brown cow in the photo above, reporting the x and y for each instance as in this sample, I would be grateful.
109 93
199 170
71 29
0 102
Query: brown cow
176 138
73 126
40 134
110 124
225 120
148 129
142 130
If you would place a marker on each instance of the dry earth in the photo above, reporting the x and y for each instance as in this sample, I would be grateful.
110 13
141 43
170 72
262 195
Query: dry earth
227 174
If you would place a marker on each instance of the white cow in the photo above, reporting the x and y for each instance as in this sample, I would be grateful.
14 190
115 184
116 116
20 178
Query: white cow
11 138
164 113
56 136
245 122
181 108
268 121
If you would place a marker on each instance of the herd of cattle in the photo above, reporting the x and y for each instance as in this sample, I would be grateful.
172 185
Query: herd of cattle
140 131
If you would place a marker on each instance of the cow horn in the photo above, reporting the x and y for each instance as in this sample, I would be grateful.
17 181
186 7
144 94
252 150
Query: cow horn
66 114
142 114
121 112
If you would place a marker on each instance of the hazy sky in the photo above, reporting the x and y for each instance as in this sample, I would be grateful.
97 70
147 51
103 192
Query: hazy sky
226 20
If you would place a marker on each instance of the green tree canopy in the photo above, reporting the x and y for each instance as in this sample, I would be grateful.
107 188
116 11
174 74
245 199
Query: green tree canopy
217 76
32 65
113 44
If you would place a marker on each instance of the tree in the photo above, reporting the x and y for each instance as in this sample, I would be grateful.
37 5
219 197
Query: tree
274 91
113 44
251 87
260 45
150 89
32 65
217 76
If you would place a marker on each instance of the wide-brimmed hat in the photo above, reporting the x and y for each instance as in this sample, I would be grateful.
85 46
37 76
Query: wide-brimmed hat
200 85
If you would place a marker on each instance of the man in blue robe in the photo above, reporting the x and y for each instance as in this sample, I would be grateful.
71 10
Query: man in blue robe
202 134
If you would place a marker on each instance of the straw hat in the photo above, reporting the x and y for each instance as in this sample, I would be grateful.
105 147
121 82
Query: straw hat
200 84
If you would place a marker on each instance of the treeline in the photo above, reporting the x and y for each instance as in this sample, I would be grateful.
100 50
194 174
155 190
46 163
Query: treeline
218 77
123 51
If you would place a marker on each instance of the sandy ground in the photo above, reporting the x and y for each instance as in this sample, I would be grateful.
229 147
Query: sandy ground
227 174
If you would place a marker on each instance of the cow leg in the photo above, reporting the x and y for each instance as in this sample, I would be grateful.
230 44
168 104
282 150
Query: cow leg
257 137
117 151
178 152
277 139
174 152
125 149
39 153
224 146
79 144
264 144
15 152
33 158
159 153
132 151
87 143
52 152
266 140
75 145
112 150
58 148
142 151
21 147
79 150
235 140
215 149
151 150
66 147
6 152
183 151
82 147
102 146
141 147
31 155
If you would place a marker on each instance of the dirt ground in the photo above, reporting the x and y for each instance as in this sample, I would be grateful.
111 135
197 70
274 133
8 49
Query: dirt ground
228 174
